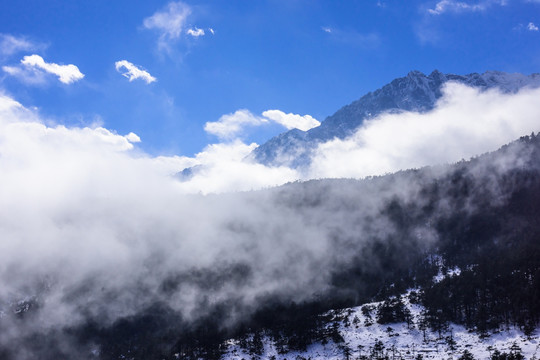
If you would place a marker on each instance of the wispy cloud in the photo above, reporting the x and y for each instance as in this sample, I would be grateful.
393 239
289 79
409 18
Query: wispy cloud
170 22
452 6
133 72
10 44
195 32
428 28
532 27
352 37
33 69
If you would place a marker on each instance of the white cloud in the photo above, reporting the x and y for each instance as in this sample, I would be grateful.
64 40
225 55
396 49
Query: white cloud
133 138
195 32
291 121
133 72
211 30
33 69
327 29
10 44
169 22
230 126
532 27
454 6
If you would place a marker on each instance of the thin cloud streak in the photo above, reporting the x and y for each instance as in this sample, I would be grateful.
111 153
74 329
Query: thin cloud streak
452 6
351 37
10 44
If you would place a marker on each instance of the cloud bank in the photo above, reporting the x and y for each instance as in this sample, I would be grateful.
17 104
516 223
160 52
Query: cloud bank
465 122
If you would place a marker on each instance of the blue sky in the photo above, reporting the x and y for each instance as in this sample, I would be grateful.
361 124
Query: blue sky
300 57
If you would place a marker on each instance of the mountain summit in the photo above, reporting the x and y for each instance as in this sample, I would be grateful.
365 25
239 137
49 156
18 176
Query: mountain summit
414 92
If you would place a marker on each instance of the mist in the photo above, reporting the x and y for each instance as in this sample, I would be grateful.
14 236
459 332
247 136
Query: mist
94 228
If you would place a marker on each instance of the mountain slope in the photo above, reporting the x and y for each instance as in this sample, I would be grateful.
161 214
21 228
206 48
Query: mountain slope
415 92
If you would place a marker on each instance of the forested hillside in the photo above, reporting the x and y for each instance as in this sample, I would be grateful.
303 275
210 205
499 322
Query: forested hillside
391 239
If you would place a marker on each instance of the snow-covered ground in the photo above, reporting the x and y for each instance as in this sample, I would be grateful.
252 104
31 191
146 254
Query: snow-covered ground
361 333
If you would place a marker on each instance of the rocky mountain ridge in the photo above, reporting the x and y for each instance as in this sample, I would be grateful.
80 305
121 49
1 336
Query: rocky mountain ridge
414 92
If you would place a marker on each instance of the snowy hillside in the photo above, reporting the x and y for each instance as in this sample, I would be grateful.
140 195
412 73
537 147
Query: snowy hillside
361 337
415 92
354 333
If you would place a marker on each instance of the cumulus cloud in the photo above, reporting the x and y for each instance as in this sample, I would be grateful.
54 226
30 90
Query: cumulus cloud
133 72
453 6
33 69
10 44
532 27
195 32
291 121
231 126
133 138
